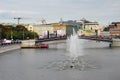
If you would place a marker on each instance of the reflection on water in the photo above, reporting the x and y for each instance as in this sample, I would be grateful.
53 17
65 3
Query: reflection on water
25 64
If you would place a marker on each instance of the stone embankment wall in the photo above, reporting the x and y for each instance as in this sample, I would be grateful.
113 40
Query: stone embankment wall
5 48
9 47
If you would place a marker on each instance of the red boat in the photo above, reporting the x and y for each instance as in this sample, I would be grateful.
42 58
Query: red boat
36 46
44 45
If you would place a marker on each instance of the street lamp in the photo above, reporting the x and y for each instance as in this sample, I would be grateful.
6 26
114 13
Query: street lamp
0 33
11 35
23 34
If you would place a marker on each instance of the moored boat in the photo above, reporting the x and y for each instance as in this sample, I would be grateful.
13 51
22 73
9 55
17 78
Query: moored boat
35 46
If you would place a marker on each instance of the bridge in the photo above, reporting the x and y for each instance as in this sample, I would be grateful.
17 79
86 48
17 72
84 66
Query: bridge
104 39
64 38
113 42
50 39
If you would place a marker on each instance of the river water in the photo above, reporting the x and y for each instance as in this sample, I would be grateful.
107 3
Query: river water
39 64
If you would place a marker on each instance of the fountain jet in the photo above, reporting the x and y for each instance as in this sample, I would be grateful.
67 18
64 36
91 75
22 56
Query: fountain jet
73 46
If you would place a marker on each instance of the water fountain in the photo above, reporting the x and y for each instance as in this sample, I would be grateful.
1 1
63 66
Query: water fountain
73 46
75 57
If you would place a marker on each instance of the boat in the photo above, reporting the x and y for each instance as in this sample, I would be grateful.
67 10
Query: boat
35 46
44 46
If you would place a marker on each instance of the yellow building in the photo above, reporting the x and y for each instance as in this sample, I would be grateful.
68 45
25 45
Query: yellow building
54 29
60 29
41 29
90 27
93 27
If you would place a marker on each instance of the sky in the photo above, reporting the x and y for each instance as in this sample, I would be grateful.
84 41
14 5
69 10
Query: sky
32 11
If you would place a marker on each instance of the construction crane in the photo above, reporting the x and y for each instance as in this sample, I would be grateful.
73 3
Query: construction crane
18 19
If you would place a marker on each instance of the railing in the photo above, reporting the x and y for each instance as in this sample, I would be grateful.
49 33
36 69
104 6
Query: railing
50 39
104 39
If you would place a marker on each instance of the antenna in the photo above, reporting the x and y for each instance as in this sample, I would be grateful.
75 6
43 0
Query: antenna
18 18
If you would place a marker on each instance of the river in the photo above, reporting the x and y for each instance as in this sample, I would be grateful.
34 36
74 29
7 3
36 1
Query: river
38 64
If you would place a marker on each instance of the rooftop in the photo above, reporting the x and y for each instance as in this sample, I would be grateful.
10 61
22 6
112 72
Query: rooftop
115 22
42 25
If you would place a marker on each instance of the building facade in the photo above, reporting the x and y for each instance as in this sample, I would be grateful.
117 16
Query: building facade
114 28
41 29
59 29
91 25
55 29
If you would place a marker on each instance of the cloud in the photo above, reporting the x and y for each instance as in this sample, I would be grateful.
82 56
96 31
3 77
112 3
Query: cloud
53 10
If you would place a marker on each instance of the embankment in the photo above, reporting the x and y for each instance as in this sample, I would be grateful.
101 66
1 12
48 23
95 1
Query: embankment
9 48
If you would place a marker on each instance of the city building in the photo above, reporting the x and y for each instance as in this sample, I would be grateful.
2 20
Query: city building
43 30
59 29
52 30
64 29
114 28
91 25
83 27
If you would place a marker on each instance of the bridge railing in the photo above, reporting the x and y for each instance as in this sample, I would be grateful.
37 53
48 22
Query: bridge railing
105 39
50 39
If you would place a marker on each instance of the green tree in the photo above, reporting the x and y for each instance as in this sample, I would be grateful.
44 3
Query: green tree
106 29
5 31
18 32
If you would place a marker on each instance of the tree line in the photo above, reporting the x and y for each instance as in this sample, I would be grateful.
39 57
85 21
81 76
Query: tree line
16 32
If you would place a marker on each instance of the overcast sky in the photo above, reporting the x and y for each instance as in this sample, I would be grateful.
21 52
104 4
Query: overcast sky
102 11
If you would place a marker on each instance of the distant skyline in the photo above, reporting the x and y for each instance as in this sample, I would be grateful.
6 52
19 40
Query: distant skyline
32 11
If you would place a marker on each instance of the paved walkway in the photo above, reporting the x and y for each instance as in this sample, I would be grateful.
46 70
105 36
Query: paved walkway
9 48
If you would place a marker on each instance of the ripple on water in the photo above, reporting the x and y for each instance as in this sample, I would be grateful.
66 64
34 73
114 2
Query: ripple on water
67 64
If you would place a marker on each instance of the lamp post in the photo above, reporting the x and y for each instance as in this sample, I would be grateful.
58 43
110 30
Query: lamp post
23 34
34 35
11 35
0 33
